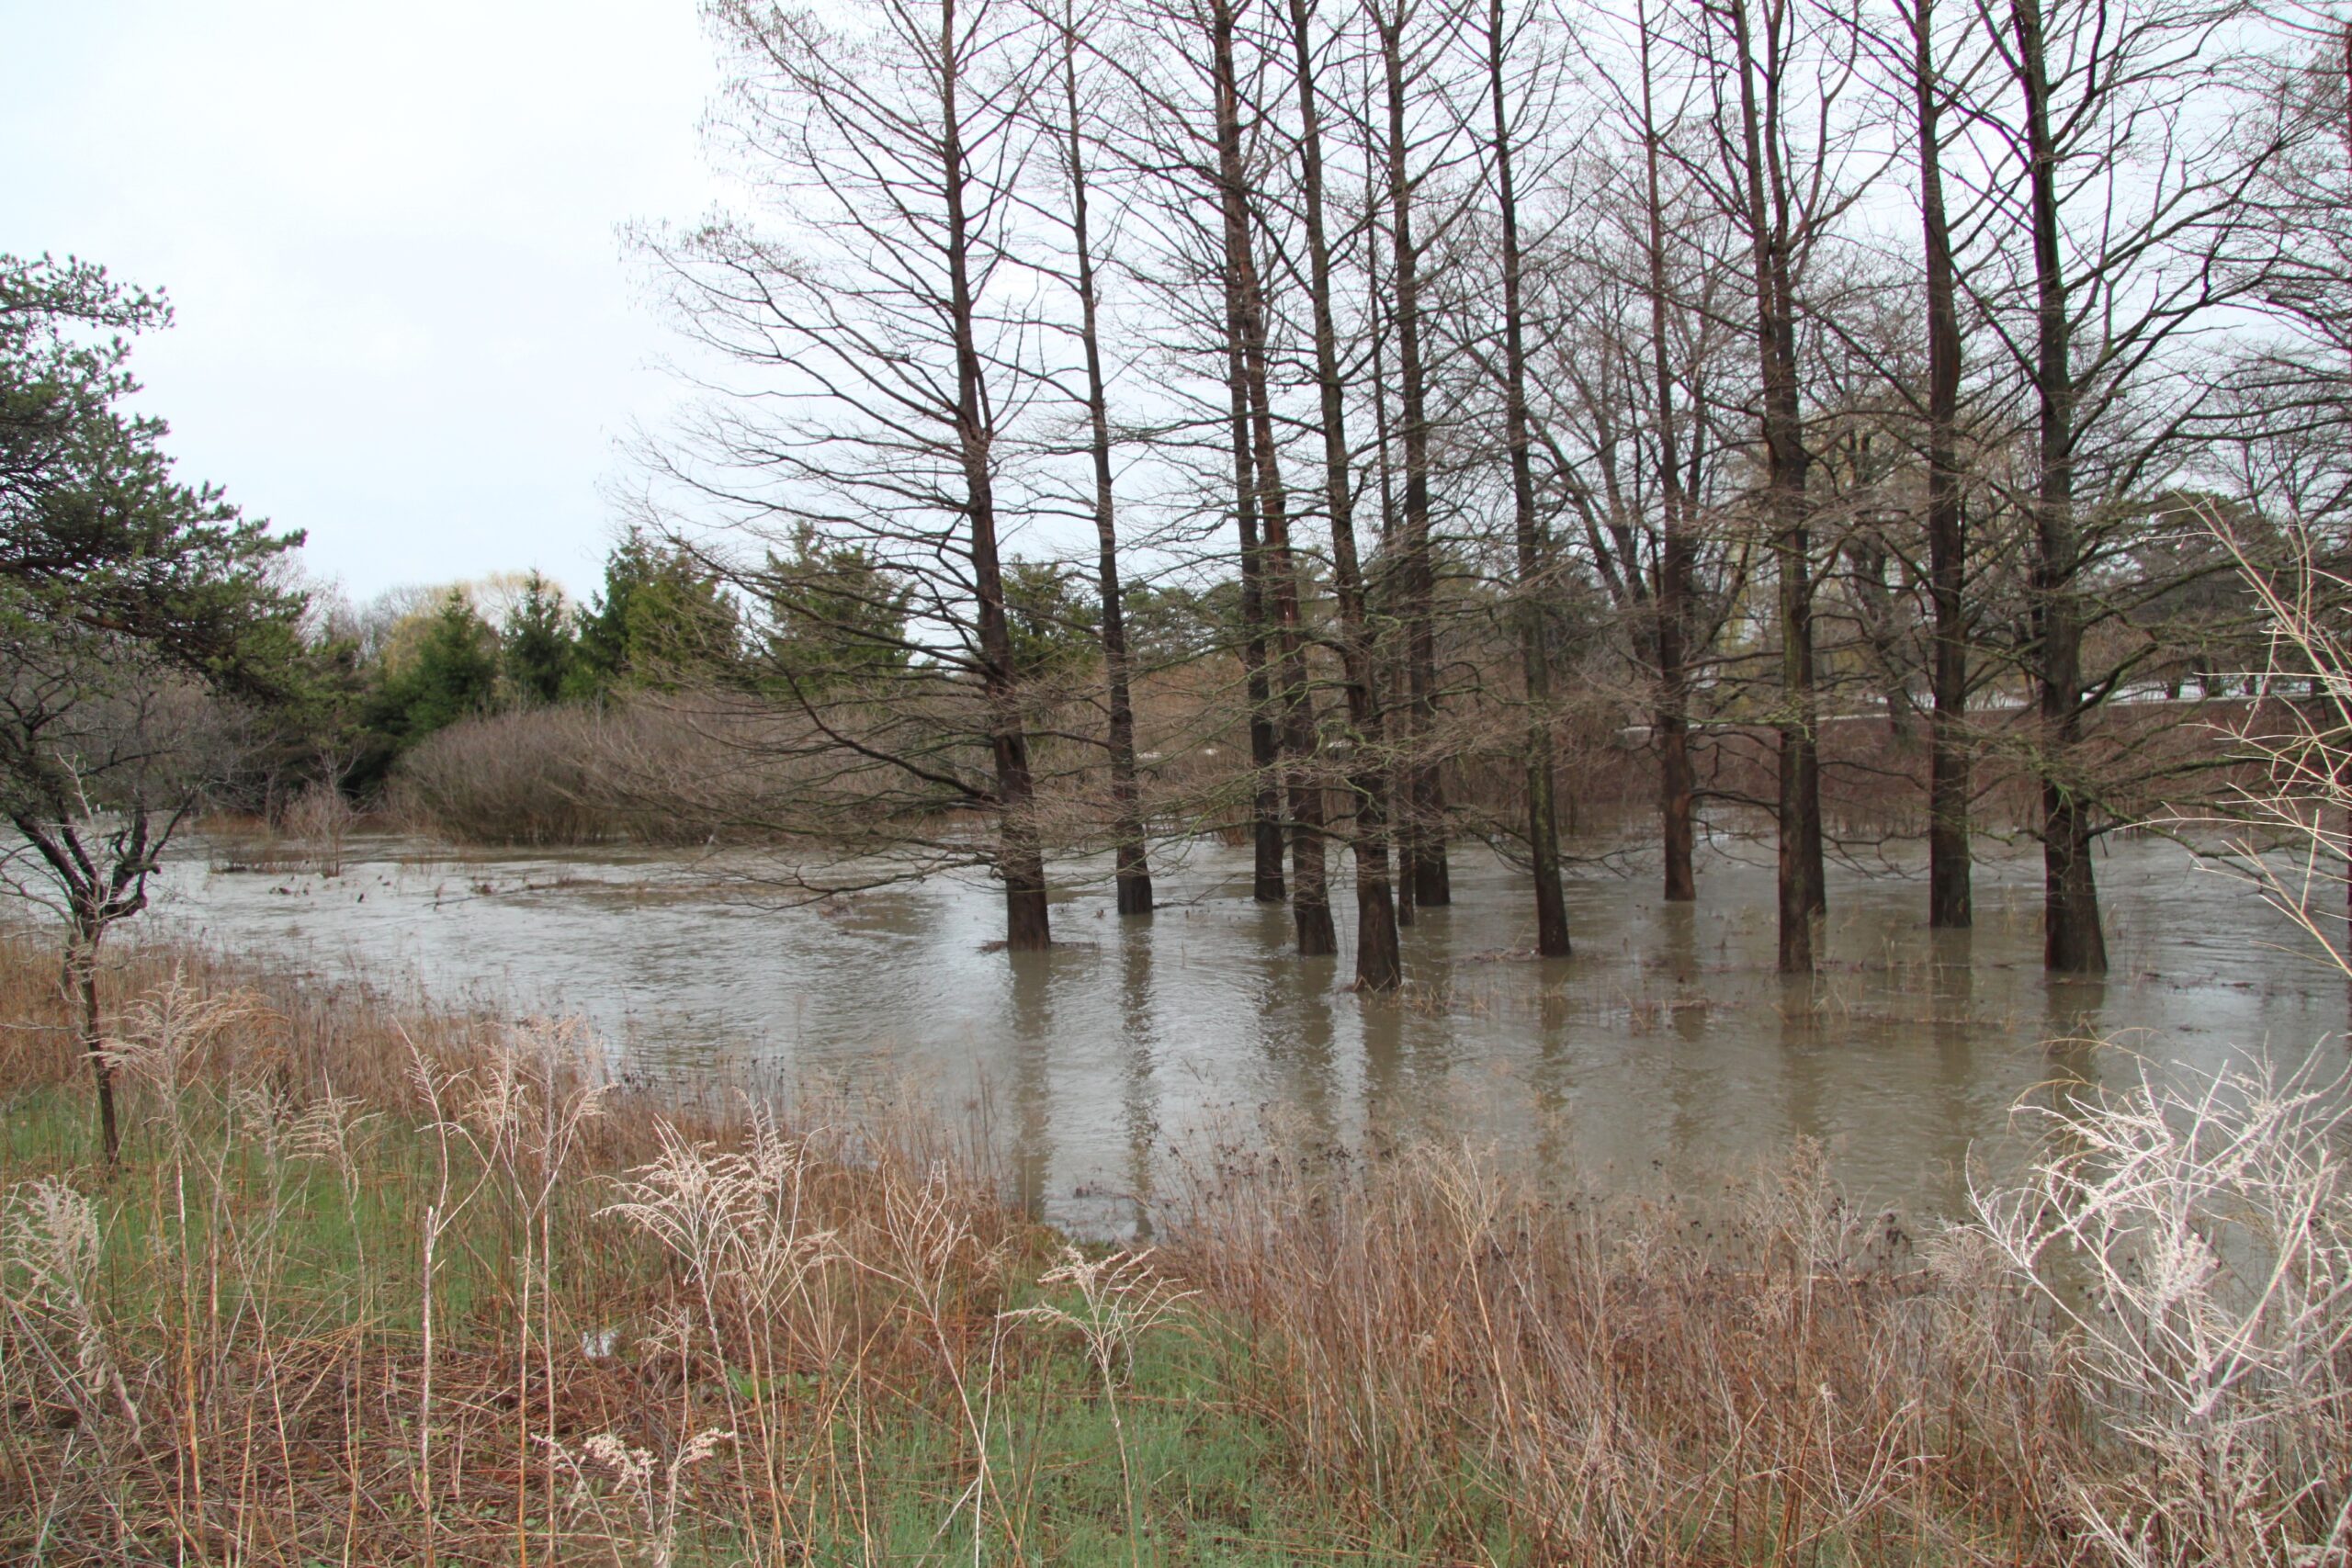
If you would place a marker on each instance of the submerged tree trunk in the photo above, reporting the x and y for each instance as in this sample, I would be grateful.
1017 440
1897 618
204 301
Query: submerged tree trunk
1678 782
1395 684
2071 939
1378 965
1265 747
1802 885
1021 857
1310 900
1535 659
1948 874
1292 698
1131 868
1423 815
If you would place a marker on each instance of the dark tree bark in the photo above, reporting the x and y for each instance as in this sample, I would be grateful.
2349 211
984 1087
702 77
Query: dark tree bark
2073 940
1310 899
1802 883
98 879
1131 869
1535 662
1021 862
1310 879
1949 875
82 982
1265 747
1392 533
1677 781
1265 743
1422 819
1378 965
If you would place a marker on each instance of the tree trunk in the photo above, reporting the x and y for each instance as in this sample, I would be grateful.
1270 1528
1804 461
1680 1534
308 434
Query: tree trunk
1378 965
1949 874
1265 752
1802 885
1020 858
1423 817
1265 747
1132 870
1310 886
1678 785
1535 658
1394 685
1311 901
2072 940
82 982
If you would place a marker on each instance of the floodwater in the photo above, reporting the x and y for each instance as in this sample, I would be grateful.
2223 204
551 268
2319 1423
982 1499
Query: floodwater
1664 1054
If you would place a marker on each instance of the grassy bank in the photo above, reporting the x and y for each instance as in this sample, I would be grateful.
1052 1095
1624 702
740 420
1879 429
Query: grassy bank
377 1284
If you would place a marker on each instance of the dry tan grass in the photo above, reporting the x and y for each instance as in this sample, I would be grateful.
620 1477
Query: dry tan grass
382 1284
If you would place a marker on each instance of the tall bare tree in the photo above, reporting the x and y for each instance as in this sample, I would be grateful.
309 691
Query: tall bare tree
1949 904
891 335
2104 162
1767 56
1268 503
1530 551
1131 865
1411 85
1377 962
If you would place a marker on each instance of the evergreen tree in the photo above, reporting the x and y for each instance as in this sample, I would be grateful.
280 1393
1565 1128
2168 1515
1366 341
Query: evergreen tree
1057 623
835 615
452 675
662 621
127 599
535 644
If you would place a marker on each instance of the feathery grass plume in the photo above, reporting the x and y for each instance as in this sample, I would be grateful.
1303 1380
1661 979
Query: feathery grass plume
52 1253
166 1032
1121 1296
653 1515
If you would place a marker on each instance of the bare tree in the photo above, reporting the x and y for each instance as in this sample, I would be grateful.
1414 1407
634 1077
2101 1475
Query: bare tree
893 336
1132 870
1776 72
1419 51
2103 162
1949 894
1268 503
1530 551
104 754
1377 962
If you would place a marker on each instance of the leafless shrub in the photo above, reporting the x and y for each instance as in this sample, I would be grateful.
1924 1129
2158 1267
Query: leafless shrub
2194 1242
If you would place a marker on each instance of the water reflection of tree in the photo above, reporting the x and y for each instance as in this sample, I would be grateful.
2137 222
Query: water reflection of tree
1031 996
1295 1036
1140 1044
1952 1029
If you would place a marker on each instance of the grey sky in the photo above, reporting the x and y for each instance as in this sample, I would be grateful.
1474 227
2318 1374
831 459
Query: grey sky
388 232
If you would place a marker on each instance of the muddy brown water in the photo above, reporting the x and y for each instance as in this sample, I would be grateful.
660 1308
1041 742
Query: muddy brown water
1664 1053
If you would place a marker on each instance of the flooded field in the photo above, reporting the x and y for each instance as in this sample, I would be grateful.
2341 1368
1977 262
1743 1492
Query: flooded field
1666 1053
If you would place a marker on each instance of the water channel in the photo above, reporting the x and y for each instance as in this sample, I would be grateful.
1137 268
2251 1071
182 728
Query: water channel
1664 1053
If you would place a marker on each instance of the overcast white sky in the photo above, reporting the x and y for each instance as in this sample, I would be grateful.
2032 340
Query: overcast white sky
404 322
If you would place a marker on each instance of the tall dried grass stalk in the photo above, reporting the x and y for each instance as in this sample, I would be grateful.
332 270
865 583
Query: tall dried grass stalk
377 1285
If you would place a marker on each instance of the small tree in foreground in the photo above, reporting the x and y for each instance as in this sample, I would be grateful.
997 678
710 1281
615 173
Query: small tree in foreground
104 753
128 601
